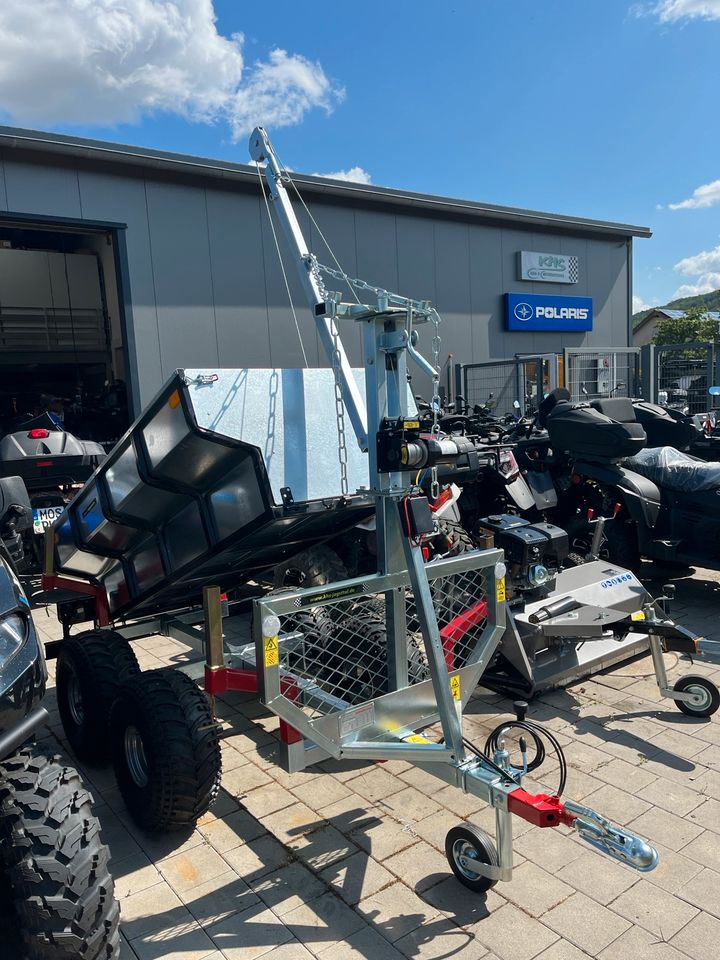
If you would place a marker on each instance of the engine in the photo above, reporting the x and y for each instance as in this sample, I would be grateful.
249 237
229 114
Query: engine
534 553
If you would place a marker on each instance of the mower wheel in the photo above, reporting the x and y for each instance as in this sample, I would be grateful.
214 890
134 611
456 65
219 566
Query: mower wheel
466 845
166 750
705 690
90 668
55 862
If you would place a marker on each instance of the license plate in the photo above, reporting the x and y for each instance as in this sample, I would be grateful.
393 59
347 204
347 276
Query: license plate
44 517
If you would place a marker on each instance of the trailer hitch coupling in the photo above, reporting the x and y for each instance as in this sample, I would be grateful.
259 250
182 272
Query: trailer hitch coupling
621 844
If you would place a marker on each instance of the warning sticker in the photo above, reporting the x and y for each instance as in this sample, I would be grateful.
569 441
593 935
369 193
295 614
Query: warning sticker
500 589
455 686
637 616
272 652
416 738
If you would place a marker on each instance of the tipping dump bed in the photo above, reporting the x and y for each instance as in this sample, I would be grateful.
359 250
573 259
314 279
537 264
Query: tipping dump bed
183 500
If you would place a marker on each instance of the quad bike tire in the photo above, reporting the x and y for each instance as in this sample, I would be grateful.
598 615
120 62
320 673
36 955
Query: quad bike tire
91 667
55 862
314 567
165 747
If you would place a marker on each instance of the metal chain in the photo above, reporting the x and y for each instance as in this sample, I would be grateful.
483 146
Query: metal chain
435 402
339 404
339 409
419 306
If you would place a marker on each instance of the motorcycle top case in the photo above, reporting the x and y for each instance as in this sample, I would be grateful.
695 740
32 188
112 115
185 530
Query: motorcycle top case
178 505
587 433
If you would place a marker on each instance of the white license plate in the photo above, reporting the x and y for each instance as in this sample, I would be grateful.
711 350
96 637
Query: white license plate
44 517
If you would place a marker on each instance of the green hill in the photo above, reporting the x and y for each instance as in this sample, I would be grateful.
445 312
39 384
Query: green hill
710 301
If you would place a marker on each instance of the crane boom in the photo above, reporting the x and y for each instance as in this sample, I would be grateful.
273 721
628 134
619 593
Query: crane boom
324 309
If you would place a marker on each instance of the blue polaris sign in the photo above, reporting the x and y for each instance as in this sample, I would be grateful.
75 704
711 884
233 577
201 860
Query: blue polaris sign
531 311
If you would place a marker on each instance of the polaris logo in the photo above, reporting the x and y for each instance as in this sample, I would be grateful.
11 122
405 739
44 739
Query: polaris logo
562 313
616 581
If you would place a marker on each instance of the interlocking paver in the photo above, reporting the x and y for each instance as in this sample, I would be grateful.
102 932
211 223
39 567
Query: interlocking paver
674 832
703 891
587 924
674 870
250 934
600 878
419 866
439 938
323 922
655 910
182 941
143 912
357 877
322 847
535 890
673 797
363 945
395 911
562 950
450 898
700 938
707 815
705 850
217 899
193 867
512 935
288 888
638 944
258 857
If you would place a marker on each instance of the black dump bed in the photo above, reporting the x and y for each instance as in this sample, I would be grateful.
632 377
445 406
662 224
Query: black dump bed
177 506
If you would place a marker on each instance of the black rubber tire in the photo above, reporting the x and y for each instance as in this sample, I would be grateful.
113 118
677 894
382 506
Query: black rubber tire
314 567
712 695
458 539
57 865
91 666
480 846
171 716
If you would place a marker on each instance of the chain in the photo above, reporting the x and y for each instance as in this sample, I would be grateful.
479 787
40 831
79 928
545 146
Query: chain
339 409
435 402
418 306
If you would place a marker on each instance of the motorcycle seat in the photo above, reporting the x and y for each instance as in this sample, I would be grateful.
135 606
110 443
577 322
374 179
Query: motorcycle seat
673 470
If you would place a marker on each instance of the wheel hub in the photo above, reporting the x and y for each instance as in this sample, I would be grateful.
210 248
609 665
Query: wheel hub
74 699
467 859
135 756
700 696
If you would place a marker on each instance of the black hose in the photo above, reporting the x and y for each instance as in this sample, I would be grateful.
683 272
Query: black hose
536 733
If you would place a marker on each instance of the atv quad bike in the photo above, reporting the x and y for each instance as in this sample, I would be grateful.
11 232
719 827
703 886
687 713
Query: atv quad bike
55 884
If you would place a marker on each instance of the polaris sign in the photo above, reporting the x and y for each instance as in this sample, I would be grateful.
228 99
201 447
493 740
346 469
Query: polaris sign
531 311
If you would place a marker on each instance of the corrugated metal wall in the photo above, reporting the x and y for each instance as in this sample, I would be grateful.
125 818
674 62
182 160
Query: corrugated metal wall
206 288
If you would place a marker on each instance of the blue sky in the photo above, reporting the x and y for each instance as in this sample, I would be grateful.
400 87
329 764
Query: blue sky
601 108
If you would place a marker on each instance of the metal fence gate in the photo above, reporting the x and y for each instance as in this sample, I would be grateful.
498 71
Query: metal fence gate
683 373
594 374
497 384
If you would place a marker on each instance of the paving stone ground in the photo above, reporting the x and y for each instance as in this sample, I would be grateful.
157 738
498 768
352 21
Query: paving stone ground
346 861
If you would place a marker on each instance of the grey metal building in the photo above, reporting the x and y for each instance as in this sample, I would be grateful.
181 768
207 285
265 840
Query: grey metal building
186 273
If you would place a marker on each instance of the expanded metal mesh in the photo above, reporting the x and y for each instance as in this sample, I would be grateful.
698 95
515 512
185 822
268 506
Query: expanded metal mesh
597 374
683 378
336 653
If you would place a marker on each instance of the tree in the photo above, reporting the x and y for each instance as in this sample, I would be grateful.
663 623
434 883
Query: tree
695 324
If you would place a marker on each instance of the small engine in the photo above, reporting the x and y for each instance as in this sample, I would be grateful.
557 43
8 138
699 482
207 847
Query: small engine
534 553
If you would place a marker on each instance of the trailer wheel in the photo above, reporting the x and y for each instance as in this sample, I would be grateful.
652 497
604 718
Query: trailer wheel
705 690
314 567
166 749
464 845
90 668
56 864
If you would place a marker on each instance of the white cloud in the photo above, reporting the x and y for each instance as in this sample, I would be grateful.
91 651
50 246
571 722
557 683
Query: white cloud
639 304
705 196
705 267
114 61
707 261
671 10
353 175
707 283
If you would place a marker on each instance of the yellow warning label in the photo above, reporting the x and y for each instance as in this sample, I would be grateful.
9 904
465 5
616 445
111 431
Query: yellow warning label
455 686
412 424
637 616
272 653
417 738
500 589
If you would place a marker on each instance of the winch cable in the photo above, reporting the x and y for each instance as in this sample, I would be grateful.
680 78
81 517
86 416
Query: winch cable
536 733
313 221
282 266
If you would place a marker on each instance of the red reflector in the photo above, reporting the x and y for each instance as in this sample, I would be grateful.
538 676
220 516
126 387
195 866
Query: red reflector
39 433
45 463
